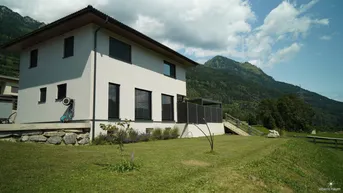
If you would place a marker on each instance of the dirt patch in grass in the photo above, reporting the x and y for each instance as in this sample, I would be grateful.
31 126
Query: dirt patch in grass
195 163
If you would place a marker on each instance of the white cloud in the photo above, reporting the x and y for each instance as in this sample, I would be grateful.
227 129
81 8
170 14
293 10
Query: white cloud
284 54
199 28
325 37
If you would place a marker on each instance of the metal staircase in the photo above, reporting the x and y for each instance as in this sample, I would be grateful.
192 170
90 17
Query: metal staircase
235 125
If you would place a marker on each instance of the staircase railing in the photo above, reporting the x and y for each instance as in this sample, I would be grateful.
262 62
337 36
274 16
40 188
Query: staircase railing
242 125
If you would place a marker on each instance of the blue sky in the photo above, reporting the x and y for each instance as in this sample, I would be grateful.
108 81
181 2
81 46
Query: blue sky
295 41
318 65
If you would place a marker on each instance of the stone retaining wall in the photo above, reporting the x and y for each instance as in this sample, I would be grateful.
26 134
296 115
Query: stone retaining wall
56 137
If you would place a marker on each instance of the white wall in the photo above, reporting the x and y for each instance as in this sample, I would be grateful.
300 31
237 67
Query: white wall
190 131
145 72
52 70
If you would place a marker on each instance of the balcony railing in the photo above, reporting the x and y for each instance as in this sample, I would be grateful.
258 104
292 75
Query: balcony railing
194 113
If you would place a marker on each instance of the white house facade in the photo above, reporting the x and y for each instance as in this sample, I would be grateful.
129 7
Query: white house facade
110 71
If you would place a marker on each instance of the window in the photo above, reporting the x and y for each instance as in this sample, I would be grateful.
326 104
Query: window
180 98
15 104
142 104
33 58
61 91
167 108
113 100
120 50
169 69
14 89
69 47
42 97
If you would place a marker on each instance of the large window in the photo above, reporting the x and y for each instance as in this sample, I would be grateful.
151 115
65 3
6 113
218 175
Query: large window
167 108
142 104
42 97
113 101
169 69
69 47
61 91
33 58
120 50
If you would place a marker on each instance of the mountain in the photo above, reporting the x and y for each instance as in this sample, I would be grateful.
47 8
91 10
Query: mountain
241 86
13 25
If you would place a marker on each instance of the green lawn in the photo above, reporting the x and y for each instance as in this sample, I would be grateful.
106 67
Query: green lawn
239 164
322 134
262 129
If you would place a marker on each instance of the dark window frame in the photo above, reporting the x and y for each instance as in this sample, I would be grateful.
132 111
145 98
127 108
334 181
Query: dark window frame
41 96
118 98
110 53
60 98
150 105
33 58
172 69
68 49
173 108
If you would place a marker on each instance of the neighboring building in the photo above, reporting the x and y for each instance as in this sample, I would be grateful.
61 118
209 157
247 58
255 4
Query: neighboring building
135 77
8 96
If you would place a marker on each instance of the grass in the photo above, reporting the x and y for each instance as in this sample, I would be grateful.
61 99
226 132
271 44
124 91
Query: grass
302 134
322 134
262 129
239 164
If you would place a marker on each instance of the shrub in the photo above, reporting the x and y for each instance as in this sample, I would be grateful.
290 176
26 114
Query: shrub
174 133
124 166
156 134
118 131
149 130
282 132
103 139
166 133
143 137
133 135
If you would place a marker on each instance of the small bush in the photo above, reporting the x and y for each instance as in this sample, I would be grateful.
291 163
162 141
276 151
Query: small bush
103 139
149 130
124 166
156 134
166 133
282 132
143 137
133 135
174 133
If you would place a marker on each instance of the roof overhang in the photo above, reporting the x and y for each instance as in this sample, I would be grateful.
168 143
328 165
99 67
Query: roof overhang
203 101
8 78
90 15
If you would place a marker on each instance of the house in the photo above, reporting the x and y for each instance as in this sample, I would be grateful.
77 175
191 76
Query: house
8 96
109 70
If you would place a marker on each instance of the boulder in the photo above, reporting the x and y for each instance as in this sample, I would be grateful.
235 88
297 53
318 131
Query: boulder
273 134
31 133
84 141
24 138
5 134
55 140
74 131
11 139
70 138
54 133
16 133
82 136
37 138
